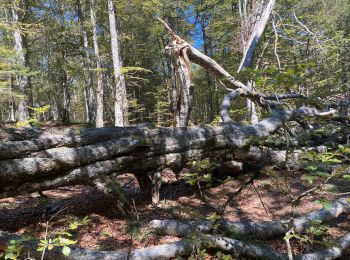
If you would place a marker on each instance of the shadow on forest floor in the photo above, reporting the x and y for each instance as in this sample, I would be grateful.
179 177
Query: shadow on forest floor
108 230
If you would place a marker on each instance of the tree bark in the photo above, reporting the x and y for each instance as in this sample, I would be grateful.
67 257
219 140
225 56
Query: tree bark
22 79
179 51
181 248
52 161
88 77
99 90
262 15
252 28
121 101
267 229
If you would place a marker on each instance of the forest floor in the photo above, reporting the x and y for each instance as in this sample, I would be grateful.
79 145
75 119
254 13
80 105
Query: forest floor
108 230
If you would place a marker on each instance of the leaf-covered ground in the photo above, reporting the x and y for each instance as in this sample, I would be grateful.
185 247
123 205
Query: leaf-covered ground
108 230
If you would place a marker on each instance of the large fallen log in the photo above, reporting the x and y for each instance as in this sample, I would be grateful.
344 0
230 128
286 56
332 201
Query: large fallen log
89 156
266 229
183 247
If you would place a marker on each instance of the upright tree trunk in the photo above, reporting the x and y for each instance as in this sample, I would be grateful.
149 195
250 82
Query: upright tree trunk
170 77
99 94
88 77
186 87
121 102
22 79
206 46
66 97
252 28
11 117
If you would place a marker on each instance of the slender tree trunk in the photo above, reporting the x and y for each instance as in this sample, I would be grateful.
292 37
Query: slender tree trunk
88 77
170 77
206 46
11 103
22 80
29 78
121 103
66 97
99 94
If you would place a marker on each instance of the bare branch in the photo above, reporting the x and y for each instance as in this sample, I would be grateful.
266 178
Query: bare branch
276 43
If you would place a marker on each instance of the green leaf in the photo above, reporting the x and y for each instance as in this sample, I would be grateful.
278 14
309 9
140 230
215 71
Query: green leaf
66 241
73 225
310 179
10 256
311 168
326 204
213 217
65 233
66 250
288 237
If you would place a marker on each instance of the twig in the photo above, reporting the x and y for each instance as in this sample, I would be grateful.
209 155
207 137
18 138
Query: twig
276 43
47 229
262 203
289 248
238 191
224 86
308 192
314 35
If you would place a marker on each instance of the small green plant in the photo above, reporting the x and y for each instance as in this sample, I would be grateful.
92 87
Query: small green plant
61 238
136 232
200 173
324 203
34 120
14 249
199 254
315 234
75 222
59 241
220 255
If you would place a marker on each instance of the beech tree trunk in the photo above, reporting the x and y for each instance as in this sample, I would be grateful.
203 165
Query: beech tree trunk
47 160
88 77
99 90
22 79
121 102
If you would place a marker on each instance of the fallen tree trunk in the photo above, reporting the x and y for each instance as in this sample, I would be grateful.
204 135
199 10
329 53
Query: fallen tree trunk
81 159
183 247
266 229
